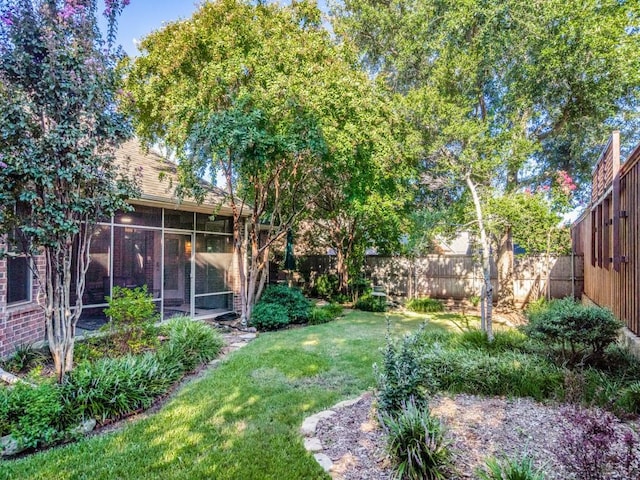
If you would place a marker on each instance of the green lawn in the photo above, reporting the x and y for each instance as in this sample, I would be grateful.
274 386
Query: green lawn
241 420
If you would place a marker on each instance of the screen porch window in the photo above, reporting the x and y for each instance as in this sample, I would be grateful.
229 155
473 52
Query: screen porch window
18 280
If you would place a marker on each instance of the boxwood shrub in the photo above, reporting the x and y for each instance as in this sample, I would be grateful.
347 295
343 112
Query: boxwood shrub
292 299
269 316
425 305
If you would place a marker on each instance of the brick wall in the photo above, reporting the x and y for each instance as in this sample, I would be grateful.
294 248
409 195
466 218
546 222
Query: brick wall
20 324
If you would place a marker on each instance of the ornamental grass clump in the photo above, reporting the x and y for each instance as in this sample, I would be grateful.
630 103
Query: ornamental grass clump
425 305
416 443
510 469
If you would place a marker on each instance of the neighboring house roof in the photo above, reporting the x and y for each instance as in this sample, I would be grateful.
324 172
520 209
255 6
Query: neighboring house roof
159 180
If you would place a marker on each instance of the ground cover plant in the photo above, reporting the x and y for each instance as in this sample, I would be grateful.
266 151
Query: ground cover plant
253 402
107 388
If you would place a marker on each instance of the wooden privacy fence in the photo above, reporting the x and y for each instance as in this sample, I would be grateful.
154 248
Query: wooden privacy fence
608 235
459 277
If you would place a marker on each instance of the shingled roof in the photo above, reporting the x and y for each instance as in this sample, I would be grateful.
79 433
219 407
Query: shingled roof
159 180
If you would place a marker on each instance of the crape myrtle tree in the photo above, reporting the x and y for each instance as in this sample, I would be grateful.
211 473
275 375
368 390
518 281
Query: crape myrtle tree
504 93
254 93
59 126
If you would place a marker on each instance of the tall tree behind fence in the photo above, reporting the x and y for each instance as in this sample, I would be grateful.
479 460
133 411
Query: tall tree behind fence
459 277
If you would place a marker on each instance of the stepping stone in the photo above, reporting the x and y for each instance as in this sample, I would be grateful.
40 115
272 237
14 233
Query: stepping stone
248 336
347 403
324 461
312 444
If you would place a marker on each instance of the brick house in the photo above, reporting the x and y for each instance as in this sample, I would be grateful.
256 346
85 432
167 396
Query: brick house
178 250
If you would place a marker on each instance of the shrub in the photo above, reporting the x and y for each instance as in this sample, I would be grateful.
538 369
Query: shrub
509 469
579 330
400 377
425 305
31 414
269 316
326 285
190 343
371 303
592 448
292 299
416 443
324 314
133 315
319 315
335 309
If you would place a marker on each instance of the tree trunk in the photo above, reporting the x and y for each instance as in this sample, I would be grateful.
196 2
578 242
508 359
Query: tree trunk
343 271
506 300
487 290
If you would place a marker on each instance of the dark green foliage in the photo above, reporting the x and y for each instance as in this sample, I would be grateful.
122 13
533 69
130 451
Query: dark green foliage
31 414
510 469
133 315
372 303
425 305
629 399
24 358
292 299
269 316
580 331
416 443
190 343
400 377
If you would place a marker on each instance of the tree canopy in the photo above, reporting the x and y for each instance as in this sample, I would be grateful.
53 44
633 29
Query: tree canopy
261 94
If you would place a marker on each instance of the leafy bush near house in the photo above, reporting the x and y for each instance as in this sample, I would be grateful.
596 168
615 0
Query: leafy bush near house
510 469
425 305
269 316
579 331
292 299
133 316
371 303
416 443
31 414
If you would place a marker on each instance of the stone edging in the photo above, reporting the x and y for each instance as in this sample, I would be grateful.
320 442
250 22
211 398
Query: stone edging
308 430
